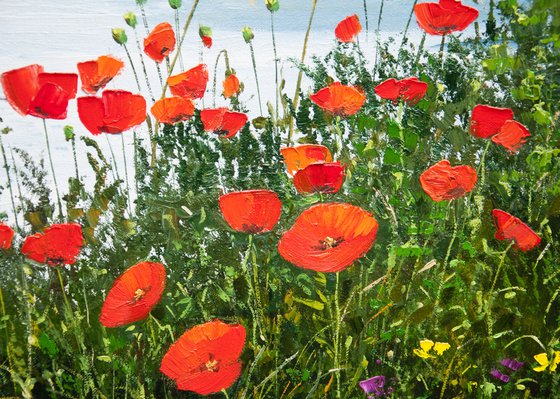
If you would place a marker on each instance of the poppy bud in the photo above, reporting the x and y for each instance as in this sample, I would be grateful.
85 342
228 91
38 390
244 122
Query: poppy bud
272 5
205 33
130 19
175 4
248 34
141 2
69 132
119 36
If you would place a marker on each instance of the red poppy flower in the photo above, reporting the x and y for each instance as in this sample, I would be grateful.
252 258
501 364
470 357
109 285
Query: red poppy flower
31 91
512 135
329 237
339 99
298 157
347 29
205 359
6 236
191 83
160 42
321 177
207 41
59 244
251 211
442 182
410 90
444 17
231 86
222 121
95 74
171 110
487 121
115 112
133 294
509 227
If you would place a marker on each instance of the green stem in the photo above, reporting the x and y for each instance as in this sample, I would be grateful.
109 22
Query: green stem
52 170
256 76
75 157
7 168
419 53
502 259
252 295
406 28
366 18
126 175
214 82
18 185
337 334
178 32
441 48
378 38
141 55
113 157
300 74
275 67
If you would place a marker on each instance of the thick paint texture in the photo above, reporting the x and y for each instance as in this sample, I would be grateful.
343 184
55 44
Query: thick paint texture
251 211
114 112
6 236
322 177
487 121
348 29
59 244
443 182
510 228
222 121
95 74
191 83
231 86
444 17
410 90
133 294
205 359
512 136
174 109
299 157
329 237
339 99
160 42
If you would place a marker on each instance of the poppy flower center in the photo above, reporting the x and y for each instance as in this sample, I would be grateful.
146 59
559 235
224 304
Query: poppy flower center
139 294
330 242
212 364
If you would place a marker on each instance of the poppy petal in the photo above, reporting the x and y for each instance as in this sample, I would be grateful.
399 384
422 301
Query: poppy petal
67 81
486 121
231 86
223 122
50 102
411 90
20 86
299 157
320 177
339 99
347 29
6 236
389 89
171 110
207 41
444 17
205 359
133 294
251 211
58 244
512 135
96 74
329 237
508 227
442 182
191 83
160 42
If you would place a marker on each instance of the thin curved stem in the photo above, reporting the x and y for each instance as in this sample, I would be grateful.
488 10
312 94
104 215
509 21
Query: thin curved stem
256 76
9 180
52 170
275 68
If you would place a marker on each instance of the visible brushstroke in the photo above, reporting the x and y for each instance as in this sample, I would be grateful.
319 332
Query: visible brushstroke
299 157
6 236
205 33
174 109
499 376
160 42
410 90
487 121
374 386
544 362
511 364
222 121
444 17
508 227
115 112
512 135
443 182
205 359
191 83
322 177
251 211
231 86
340 100
59 244
348 29
133 294
430 349
31 91
95 74
329 237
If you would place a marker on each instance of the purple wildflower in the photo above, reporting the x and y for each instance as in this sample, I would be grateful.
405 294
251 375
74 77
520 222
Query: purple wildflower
502 377
374 385
512 364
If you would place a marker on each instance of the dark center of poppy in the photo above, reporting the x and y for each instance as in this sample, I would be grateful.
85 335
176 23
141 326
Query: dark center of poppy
456 192
139 294
221 132
252 228
212 365
330 242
